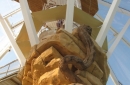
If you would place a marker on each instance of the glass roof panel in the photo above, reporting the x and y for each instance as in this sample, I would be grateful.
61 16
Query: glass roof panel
3 39
109 1
119 62
119 21
110 82
127 34
103 10
7 6
9 56
14 19
125 4
110 38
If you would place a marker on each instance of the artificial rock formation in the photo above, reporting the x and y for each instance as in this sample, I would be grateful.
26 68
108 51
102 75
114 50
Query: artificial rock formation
59 60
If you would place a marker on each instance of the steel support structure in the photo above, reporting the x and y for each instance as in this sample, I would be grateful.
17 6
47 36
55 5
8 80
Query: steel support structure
119 9
113 30
69 15
119 37
14 45
29 23
103 31
107 23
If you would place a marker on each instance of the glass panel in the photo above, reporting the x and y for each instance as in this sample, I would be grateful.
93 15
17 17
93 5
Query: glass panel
14 65
119 21
9 73
3 43
110 38
7 6
15 19
103 10
9 57
127 34
110 82
17 29
3 39
119 62
125 4
109 1
3 75
2 70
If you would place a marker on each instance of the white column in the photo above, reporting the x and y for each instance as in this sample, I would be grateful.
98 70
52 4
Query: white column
14 45
29 23
69 15
107 22
114 31
119 37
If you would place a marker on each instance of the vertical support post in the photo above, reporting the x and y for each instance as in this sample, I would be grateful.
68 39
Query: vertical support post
29 23
7 70
14 45
69 15
119 37
107 23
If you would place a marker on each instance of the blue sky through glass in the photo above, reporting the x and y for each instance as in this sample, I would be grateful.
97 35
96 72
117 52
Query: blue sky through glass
125 4
119 60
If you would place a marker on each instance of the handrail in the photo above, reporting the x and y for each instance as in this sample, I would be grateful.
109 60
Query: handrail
8 63
9 66
9 71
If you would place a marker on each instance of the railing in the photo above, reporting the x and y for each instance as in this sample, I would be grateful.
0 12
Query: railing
7 71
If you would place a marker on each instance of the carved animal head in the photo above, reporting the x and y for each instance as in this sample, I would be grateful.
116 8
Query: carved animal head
88 29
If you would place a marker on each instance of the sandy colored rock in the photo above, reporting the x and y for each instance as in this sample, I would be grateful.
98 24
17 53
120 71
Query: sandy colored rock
95 70
63 43
42 66
25 81
84 80
101 60
20 74
91 78
26 69
55 78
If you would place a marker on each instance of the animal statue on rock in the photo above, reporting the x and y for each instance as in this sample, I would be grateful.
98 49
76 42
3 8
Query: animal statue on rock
63 58
66 59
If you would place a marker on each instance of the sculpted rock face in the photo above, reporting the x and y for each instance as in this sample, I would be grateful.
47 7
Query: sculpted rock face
59 60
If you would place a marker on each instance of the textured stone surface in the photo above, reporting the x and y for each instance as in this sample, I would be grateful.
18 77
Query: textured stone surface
42 66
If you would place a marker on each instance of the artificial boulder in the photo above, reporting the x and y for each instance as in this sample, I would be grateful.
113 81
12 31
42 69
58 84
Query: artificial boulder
59 60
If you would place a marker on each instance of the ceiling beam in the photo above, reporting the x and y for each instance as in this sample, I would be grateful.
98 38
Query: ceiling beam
29 23
69 15
13 43
107 23
119 9
113 30
117 40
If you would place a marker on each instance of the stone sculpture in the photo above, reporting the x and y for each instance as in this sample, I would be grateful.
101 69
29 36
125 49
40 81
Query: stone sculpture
63 58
